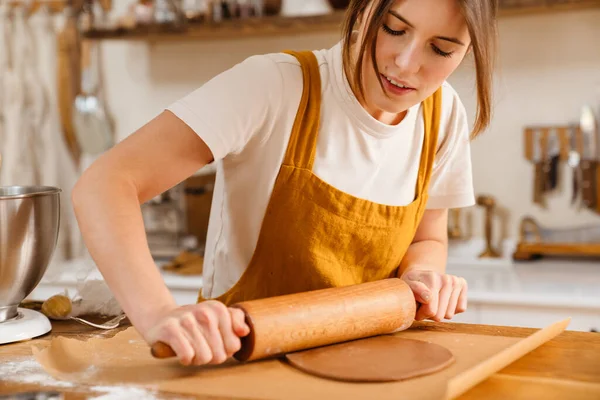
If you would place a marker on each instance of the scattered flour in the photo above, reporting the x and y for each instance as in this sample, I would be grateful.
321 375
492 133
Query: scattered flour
123 393
28 370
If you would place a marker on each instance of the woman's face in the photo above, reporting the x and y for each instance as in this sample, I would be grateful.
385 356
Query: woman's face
419 45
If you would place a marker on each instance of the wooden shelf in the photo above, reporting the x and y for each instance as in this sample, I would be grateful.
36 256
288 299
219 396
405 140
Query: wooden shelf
509 8
286 26
228 29
533 251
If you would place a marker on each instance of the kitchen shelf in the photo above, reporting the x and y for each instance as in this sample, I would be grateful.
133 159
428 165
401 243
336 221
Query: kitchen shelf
509 8
227 29
285 26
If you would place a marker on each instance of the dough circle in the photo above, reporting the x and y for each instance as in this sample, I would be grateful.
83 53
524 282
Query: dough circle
377 359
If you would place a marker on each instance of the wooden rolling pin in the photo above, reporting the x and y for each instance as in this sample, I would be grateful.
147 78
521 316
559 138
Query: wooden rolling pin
284 324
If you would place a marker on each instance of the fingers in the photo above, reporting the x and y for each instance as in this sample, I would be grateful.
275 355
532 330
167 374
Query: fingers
205 333
462 298
428 310
238 319
444 297
421 291
453 302
202 350
447 294
172 334
209 324
229 338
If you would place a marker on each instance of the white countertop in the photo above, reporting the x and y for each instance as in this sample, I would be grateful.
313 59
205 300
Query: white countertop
543 283
68 276
551 282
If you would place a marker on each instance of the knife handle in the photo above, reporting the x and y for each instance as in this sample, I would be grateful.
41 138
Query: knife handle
588 191
538 184
597 186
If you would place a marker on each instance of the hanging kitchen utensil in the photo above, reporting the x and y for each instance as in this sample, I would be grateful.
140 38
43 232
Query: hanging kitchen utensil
69 78
536 158
563 138
541 166
589 163
590 123
574 161
92 126
551 163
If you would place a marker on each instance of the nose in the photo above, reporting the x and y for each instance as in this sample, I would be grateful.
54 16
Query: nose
410 59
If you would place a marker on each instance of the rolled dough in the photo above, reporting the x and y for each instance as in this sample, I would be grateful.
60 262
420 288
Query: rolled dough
377 359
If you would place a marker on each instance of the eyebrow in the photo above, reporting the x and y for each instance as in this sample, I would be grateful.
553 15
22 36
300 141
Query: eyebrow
449 39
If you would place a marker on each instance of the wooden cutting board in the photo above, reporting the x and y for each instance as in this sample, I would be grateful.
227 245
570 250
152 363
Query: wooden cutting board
124 359
566 367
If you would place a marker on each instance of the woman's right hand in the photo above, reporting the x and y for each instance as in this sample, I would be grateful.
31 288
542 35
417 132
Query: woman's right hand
204 333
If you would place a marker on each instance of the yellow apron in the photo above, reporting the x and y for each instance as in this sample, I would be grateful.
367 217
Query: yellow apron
315 236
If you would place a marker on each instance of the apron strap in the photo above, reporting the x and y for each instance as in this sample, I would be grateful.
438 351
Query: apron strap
303 140
432 108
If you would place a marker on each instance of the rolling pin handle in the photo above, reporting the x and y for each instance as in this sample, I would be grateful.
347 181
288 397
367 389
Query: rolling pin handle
162 350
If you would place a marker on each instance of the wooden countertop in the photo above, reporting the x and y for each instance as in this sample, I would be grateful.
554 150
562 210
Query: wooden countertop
569 361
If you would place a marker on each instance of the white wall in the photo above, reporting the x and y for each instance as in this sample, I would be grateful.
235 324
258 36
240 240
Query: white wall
549 67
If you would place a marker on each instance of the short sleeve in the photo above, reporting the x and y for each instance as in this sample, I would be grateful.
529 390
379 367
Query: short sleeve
230 109
451 184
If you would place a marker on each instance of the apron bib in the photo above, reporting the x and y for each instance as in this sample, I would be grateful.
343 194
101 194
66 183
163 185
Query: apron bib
314 236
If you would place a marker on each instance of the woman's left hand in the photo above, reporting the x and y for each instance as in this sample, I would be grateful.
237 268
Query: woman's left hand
440 295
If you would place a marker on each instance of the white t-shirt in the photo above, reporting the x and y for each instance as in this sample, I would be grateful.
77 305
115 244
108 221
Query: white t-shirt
245 116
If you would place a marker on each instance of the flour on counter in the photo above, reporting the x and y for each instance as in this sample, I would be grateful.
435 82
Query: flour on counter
28 370
123 393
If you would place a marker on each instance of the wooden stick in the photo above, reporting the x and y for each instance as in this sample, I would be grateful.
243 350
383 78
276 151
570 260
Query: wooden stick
477 374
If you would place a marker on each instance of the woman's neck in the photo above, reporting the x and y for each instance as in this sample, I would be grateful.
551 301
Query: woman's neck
385 117
380 115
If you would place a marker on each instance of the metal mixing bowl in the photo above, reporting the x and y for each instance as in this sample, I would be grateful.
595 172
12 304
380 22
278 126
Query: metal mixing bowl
29 225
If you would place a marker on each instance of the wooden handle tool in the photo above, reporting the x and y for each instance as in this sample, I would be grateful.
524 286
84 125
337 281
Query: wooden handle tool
284 324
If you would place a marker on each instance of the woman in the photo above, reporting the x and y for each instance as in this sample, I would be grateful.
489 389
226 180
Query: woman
335 167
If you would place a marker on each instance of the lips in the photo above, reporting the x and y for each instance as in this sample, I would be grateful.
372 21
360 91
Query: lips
397 82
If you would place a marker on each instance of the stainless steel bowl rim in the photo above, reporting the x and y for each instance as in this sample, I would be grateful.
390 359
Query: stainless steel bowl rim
32 191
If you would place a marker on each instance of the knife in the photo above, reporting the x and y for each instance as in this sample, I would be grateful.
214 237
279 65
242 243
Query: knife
589 129
538 176
574 161
552 162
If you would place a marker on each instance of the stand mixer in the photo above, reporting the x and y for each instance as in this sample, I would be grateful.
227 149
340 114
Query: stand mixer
29 226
